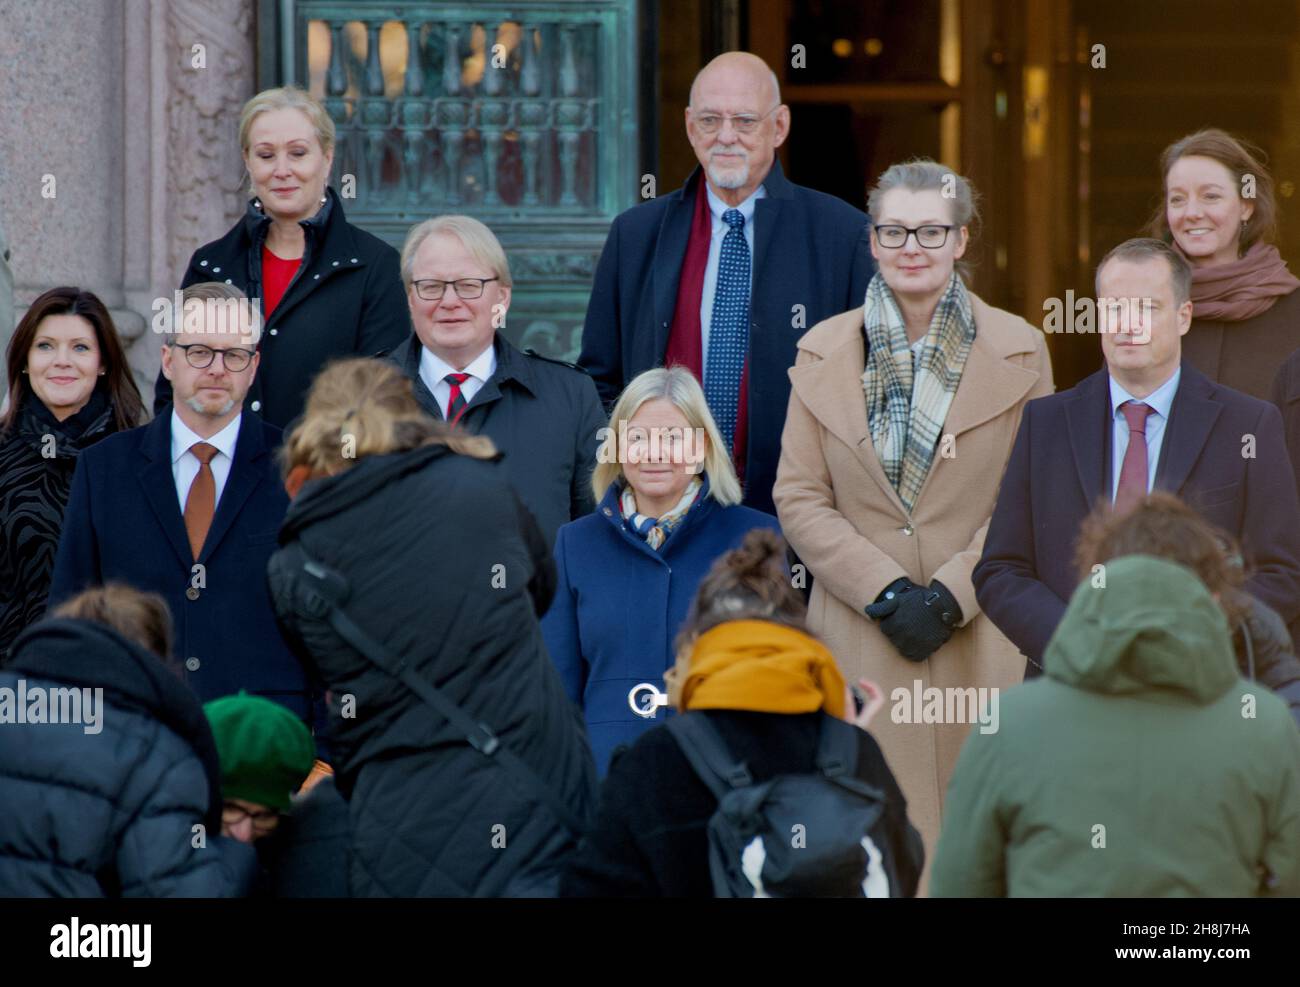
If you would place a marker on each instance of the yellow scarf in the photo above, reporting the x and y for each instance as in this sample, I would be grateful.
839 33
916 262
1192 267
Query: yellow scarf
760 666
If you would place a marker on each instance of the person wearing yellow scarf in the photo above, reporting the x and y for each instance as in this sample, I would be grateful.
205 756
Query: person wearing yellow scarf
757 665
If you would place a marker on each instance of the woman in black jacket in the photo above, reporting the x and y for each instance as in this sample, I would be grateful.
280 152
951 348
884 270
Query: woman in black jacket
414 534
746 664
119 794
69 386
328 289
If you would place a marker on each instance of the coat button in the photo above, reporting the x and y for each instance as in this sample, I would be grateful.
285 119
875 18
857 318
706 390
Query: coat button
608 512
203 263
908 529
228 281
336 263
256 405
191 594
317 277
192 664
216 270
354 260
275 332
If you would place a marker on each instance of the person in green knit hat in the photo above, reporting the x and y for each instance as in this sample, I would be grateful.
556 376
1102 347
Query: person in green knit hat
266 753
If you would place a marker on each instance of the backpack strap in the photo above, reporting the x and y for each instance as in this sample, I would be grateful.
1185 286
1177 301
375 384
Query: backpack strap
837 748
707 753
328 589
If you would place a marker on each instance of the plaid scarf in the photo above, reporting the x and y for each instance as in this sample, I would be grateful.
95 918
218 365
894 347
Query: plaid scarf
906 411
655 531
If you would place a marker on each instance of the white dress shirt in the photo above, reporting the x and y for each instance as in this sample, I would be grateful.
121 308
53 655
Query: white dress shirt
1159 401
185 465
719 232
434 370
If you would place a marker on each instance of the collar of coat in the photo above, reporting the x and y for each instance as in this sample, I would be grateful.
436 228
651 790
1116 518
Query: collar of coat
331 237
610 509
513 368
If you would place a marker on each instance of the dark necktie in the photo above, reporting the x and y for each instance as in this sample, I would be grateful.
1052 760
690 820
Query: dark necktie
456 403
1133 474
201 501
729 328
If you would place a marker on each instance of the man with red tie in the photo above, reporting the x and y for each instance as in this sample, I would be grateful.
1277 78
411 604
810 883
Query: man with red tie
189 507
1145 421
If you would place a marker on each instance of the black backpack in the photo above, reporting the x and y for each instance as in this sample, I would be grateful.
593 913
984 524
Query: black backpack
817 835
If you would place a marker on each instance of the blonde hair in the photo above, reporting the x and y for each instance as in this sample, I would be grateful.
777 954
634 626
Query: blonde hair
288 98
678 386
480 241
223 301
360 407
142 618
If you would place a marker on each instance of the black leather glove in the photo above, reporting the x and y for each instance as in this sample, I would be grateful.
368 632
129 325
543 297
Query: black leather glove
917 621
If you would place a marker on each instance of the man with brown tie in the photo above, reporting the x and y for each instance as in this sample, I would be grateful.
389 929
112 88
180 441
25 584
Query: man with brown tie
189 507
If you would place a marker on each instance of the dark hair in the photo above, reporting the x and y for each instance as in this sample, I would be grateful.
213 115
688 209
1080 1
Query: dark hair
142 618
1163 526
748 583
1148 248
128 408
1240 157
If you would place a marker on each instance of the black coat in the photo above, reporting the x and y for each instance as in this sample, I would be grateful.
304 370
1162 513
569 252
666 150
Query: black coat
1266 655
33 494
543 415
113 812
650 838
1060 468
812 260
1245 355
448 571
347 299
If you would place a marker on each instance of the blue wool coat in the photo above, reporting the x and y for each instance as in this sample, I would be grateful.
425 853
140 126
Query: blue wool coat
619 605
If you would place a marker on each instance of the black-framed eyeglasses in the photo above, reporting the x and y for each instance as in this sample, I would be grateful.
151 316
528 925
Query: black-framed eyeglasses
742 123
233 815
467 289
200 357
931 236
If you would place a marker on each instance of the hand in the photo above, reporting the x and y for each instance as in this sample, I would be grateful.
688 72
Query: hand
875 699
917 621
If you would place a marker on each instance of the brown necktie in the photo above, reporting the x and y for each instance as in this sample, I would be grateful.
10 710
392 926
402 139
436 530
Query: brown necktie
202 498
1133 473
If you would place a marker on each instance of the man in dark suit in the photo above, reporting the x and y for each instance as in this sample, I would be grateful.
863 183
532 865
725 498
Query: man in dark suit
725 274
1146 421
543 415
189 507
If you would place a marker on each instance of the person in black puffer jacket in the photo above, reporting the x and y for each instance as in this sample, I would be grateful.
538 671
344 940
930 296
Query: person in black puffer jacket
69 387
446 569
1163 526
127 801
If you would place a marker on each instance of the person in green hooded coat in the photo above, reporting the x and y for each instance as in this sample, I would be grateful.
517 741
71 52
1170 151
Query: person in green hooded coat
1140 765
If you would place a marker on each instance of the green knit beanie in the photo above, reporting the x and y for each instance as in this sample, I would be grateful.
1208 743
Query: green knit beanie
266 752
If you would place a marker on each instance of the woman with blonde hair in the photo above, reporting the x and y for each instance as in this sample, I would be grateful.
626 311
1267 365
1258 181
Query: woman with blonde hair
327 289
410 578
668 506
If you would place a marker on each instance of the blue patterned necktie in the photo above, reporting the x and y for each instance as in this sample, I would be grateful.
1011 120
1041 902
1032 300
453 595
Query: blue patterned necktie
729 329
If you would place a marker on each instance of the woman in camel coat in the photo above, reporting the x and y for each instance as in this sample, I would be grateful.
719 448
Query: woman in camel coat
905 546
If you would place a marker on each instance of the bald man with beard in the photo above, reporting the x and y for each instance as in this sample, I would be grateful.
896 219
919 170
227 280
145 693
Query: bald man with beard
725 274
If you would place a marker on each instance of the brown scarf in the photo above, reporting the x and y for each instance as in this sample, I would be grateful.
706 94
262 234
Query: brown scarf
1243 288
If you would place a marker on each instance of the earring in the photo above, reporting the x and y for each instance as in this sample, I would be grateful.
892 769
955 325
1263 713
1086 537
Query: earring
102 372
322 200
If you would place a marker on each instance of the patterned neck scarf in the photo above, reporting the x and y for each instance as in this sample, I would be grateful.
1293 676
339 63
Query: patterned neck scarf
655 531
906 410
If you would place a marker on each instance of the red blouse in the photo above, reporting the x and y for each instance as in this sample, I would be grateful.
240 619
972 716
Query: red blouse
276 275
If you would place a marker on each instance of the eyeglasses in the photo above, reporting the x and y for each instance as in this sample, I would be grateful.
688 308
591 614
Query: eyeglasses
744 123
467 289
200 357
263 819
931 237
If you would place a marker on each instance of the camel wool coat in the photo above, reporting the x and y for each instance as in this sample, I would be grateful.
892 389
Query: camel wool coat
848 526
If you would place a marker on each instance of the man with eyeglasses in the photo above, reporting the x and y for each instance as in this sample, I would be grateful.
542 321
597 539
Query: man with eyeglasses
189 506
724 275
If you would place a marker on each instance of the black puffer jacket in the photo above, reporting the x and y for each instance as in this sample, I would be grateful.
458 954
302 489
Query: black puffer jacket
447 570
94 809
37 457
1265 653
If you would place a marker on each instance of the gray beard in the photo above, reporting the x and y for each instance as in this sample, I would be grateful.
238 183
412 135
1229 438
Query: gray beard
728 179
196 406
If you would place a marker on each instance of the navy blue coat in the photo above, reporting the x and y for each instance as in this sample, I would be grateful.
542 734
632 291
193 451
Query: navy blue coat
1060 468
810 249
619 605
124 522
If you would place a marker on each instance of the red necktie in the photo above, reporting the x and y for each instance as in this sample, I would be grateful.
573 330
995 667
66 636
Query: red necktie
201 501
1133 474
456 403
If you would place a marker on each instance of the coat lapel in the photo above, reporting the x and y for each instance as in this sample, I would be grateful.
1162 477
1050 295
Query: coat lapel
1191 418
670 249
767 215
1087 421
245 474
159 486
